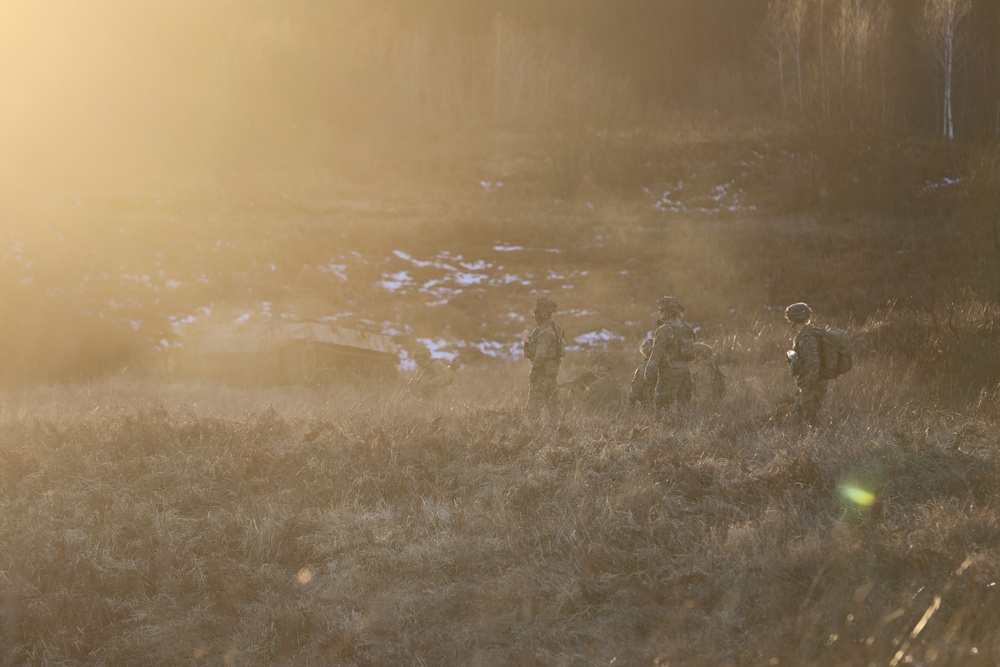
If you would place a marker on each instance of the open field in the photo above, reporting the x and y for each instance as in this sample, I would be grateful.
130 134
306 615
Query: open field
171 524
155 521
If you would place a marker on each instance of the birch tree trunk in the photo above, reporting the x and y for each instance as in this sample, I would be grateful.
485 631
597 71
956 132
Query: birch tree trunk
943 34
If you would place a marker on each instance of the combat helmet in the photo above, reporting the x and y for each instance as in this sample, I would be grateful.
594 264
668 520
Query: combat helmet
703 350
798 312
421 353
545 306
670 304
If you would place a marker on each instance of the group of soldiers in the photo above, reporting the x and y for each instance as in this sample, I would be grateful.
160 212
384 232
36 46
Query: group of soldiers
675 368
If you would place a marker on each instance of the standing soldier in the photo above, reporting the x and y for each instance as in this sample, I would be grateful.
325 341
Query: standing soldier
804 363
544 348
673 350
641 392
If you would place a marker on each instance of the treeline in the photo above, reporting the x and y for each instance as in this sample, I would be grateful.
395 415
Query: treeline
114 80
926 66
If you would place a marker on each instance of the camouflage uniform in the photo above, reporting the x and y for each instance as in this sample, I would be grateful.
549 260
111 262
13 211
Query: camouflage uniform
544 348
671 354
641 391
603 393
707 376
804 365
433 376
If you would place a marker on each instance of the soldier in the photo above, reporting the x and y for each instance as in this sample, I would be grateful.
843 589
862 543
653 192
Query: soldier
706 375
545 348
641 391
433 376
673 350
572 391
603 394
804 363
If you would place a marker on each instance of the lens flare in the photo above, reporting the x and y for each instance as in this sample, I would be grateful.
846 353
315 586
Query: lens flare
858 495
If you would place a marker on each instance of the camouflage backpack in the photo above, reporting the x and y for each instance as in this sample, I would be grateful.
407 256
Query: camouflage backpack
560 342
685 342
834 353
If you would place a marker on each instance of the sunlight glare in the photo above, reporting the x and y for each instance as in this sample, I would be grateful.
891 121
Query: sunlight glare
857 495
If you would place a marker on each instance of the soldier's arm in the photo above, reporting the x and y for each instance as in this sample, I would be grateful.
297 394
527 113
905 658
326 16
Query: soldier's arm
659 353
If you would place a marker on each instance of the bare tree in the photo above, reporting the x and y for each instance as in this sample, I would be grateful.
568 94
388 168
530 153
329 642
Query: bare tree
942 29
509 66
824 90
858 73
783 31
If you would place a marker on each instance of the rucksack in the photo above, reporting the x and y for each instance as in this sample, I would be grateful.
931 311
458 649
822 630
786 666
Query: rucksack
685 342
834 353
560 342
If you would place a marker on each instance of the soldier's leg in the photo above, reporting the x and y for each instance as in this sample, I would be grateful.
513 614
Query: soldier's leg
808 402
553 402
796 411
813 401
667 386
684 393
536 394
637 388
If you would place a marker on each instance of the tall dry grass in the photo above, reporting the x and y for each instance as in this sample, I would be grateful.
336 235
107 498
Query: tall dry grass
186 524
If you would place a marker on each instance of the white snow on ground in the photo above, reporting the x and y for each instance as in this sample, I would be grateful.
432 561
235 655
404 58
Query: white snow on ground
337 270
598 338
469 278
489 186
724 198
395 282
943 183
435 279
499 350
438 347
404 256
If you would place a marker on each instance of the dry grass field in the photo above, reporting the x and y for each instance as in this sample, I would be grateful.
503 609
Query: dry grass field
159 521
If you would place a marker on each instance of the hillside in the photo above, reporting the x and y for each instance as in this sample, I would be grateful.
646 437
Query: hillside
158 521
452 250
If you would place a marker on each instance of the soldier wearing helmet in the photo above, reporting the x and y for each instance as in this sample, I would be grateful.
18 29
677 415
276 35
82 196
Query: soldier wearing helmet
673 350
544 347
804 363
433 376
641 391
